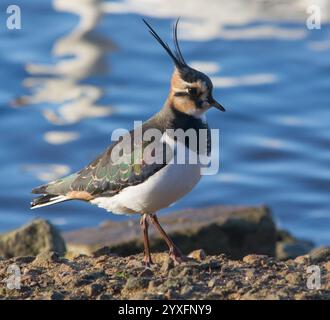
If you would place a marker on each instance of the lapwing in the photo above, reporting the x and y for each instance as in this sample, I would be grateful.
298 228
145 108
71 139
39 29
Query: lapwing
123 185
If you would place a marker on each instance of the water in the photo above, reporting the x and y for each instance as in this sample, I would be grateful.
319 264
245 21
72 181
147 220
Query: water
79 69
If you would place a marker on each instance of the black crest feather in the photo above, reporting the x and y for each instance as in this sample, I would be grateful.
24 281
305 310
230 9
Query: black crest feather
177 55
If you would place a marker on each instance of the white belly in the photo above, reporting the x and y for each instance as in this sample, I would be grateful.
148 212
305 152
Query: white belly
159 191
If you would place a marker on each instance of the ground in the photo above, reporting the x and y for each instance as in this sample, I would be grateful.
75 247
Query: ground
107 276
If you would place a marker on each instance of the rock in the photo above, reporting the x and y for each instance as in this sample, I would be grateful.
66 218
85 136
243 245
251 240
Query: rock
293 278
198 255
254 258
302 259
104 251
87 277
327 266
320 254
236 231
104 296
231 284
134 283
32 239
250 274
24 259
81 282
168 264
171 294
94 289
54 296
285 251
186 290
46 257
212 282
146 273
289 247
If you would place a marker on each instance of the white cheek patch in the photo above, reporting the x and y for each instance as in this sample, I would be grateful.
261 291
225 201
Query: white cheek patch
176 90
198 114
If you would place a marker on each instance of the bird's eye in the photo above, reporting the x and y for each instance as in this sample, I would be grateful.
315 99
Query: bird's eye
192 91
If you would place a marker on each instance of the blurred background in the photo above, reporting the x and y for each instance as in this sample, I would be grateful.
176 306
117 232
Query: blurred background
79 69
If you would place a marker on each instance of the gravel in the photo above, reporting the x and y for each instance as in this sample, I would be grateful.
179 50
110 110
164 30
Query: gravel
108 276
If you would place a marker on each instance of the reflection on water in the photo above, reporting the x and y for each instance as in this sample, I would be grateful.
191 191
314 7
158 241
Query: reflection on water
60 83
80 55
60 137
212 68
44 172
322 45
232 20
269 71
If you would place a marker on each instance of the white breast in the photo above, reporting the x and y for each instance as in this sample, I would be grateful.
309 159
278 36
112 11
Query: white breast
159 191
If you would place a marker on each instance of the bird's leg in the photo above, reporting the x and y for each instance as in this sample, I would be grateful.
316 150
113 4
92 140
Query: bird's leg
144 227
175 252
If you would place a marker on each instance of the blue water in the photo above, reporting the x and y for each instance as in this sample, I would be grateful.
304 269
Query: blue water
275 135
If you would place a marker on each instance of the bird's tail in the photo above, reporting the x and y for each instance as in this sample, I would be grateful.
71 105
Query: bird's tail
47 200
53 192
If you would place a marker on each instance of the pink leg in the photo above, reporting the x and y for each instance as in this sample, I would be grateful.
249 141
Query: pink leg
144 227
175 252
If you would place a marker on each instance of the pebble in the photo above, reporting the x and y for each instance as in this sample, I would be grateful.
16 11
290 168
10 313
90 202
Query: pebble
198 255
187 290
320 254
250 273
168 264
94 289
55 295
134 283
302 259
293 278
104 251
25 259
212 282
84 278
254 258
45 258
147 272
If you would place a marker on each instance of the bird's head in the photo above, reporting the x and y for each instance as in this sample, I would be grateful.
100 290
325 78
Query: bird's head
191 90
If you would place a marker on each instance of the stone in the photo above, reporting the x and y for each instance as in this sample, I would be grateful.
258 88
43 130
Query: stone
212 282
54 277
55 295
231 284
147 272
198 255
94 289
236 231
31 239
327 266
134 283
254 258
104 251
291 250
250 273
293 278
187 290
168 264
24 259
320 254
45 258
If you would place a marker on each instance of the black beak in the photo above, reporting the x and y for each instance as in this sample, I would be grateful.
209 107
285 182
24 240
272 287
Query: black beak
217 105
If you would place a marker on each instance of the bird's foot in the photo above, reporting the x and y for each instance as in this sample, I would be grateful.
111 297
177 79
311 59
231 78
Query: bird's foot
177 256
147 262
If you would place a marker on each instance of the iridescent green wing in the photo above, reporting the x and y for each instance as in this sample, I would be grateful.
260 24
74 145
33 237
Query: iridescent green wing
109 174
